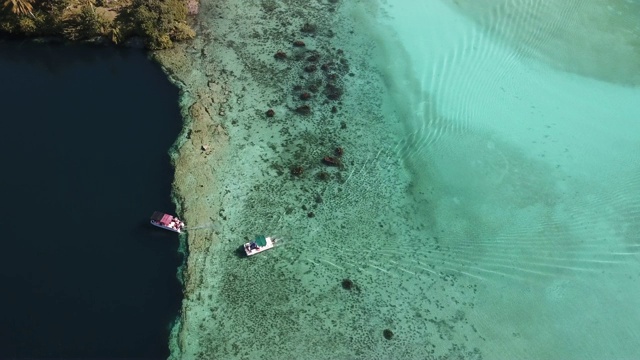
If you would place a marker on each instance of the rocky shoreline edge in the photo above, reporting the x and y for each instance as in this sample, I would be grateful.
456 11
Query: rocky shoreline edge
201 145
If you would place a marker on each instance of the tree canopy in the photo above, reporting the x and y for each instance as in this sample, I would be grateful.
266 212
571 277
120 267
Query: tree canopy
158 22
19 7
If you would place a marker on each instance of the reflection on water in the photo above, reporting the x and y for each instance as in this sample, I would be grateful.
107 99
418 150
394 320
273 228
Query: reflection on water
596 38
526 174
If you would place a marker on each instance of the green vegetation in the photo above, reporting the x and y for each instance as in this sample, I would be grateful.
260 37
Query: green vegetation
158 22
19 7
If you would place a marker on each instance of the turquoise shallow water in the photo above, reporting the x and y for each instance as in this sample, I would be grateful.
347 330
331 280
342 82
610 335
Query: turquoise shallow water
529 139
487 206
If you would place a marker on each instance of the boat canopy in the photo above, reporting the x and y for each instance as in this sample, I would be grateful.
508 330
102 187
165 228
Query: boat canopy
261 240
162 218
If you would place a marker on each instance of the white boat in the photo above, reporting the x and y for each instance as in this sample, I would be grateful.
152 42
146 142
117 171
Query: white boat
260 244
167 222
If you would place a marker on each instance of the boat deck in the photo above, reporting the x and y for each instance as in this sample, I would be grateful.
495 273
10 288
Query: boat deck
252 251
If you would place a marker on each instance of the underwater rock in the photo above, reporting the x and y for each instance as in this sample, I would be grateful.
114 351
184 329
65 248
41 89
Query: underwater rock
305 96
311 214
308 28
323 175
388 334
339 151
280 55
270 113
310 68
299 43
331 161
333 92
303 110
297 170
347 284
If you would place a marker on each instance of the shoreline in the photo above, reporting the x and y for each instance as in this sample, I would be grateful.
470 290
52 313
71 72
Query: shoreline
201 145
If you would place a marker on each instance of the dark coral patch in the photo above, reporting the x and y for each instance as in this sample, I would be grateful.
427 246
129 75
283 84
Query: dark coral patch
333 92
347 284
297 170
305 96
303 110
308 28
331 161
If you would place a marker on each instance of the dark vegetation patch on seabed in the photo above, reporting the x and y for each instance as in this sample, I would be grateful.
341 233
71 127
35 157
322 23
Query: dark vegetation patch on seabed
158 23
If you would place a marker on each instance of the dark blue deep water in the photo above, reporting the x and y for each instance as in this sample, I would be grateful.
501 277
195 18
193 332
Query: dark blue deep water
84 155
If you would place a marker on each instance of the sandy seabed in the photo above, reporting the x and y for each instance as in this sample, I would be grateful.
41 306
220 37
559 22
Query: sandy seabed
461 240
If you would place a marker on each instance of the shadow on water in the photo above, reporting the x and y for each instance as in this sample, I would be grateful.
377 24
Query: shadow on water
239 252
84 274
575 36
46 56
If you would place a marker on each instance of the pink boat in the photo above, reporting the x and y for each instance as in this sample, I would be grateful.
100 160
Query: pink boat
167 222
